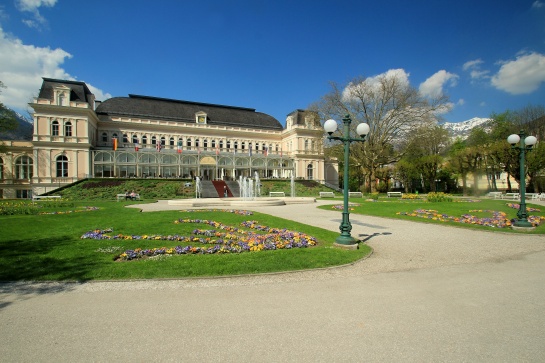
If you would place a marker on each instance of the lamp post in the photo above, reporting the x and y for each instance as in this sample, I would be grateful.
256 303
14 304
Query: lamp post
330 126
526 144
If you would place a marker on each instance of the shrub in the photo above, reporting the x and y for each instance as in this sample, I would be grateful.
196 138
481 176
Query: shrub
439 197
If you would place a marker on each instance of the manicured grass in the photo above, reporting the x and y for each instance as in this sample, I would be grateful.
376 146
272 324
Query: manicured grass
49 247
480 208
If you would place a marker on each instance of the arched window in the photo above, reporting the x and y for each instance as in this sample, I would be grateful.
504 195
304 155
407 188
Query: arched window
205 144
236 145
163 141
114 136
62 166
197 143
310 172
144 140
306 145
104 137
134 139
228 145
153 140
125 138
171 141
213 144
68 129
61 99
188 143
23 168
55 128
221 144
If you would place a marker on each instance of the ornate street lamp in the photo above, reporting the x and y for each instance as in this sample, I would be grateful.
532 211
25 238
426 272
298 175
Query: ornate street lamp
330 126
525 145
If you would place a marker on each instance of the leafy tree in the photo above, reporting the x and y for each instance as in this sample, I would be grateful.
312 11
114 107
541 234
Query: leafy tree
8 119
389 105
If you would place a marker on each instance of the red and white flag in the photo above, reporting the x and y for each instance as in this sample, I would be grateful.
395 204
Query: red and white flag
158 146
136 146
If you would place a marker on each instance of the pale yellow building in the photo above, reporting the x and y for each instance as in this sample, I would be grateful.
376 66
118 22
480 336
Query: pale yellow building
77 137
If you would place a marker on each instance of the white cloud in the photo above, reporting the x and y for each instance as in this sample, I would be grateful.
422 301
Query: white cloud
433 86
474 68
373 84
537 4
522 75
32 6
23 67
472 64
461 102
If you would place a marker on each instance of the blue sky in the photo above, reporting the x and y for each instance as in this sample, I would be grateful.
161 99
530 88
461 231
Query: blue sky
277 56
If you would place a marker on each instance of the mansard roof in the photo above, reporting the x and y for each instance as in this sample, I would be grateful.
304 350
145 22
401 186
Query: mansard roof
78 90
184 111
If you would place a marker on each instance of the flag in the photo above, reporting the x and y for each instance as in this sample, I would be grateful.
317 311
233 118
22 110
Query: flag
250 151
158 146
265 151
199 150
114 144
217 150
136 146
179 148
280 152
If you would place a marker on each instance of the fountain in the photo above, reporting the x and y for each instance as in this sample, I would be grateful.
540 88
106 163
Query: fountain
250 195
198 186
257 185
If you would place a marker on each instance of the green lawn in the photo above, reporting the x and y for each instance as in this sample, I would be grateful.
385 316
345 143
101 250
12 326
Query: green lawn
412 210
49 247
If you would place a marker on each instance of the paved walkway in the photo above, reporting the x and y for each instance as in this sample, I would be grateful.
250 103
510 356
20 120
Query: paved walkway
428 293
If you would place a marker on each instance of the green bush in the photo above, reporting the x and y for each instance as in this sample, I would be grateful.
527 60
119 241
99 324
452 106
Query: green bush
439 197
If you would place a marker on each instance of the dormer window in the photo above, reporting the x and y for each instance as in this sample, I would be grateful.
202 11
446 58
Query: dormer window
200 118
61 95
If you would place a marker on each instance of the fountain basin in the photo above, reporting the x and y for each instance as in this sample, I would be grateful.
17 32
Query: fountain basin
238 202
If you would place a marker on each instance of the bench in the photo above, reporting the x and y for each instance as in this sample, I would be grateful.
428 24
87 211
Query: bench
355 194
327 195
495 195
394 194
277 194
122 196
42 197
512 196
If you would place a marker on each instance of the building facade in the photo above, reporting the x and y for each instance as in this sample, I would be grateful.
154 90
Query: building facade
77 137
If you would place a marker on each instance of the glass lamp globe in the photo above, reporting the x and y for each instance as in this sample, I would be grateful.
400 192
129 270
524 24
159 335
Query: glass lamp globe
330 126
530 141
513 139
362 129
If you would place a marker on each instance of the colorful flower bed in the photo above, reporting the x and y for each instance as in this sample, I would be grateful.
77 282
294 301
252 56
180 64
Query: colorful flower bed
341 206
224 238
235 211
517 206
498 219
84 209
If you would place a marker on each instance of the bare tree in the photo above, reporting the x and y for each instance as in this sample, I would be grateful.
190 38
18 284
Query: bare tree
390 106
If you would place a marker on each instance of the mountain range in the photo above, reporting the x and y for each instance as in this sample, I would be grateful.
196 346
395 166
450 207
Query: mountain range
23 131
462 129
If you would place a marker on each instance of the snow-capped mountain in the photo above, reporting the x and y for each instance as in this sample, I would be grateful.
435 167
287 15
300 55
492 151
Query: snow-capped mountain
462 129
22 117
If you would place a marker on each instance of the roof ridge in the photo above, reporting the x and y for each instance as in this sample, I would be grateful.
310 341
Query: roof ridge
191 102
